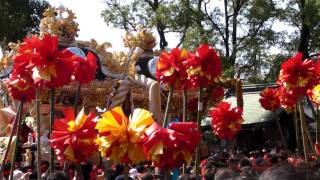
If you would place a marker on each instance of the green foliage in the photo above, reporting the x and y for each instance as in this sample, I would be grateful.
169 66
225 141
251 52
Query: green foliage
244 34
18 17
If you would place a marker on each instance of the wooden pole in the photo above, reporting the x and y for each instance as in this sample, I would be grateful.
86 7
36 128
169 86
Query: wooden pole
38 116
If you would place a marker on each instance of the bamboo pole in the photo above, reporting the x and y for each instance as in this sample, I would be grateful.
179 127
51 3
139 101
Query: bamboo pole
315 116
303 132
311 142
199 118
296 123
184 116
15 124
185 105
77 99
166 115
17 140
38 116
281 134
50 128
317 126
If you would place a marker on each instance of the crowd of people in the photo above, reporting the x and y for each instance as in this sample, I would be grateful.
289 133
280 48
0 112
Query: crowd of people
275 164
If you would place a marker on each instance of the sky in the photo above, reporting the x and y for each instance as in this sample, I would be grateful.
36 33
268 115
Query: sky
92 25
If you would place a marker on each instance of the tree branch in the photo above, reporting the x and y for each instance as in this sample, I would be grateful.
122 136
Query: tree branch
125 19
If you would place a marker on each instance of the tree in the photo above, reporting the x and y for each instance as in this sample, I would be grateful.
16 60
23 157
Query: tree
18 17
243 31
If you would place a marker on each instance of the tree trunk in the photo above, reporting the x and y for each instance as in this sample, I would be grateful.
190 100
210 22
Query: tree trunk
226 40
304 33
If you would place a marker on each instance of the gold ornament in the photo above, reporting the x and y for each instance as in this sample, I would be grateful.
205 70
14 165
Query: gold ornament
56 24
143 39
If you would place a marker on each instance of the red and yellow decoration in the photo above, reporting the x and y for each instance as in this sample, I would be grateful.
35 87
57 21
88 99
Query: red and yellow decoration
85 68
173 146
50 66
170 68
121 139
21 87
314 94
203 66
270 99
297 75
73 139
226 121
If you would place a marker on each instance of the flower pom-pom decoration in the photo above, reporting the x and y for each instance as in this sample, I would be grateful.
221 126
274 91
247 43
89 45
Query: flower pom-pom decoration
170 68
173 146
50 66
21 87
297 75
314 94
120 139
85 68
270 99
54 67
217 94
226 121
288 99
73 139
203 67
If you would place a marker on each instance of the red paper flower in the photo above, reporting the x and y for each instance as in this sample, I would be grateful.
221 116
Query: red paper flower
270 99
297 75
50 66
21 87
314 94
288 99
54 67
226 121
26 54
173 146
170 69
85 68
203 67
73 138
217 93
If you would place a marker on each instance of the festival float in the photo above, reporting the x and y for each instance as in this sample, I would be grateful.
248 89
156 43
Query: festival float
48 77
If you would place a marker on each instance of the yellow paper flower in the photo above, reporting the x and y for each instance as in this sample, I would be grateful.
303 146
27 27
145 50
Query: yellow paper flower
119 138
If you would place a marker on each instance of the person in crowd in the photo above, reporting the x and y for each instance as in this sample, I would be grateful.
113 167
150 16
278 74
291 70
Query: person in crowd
57 175
124 173
260 165
223 174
